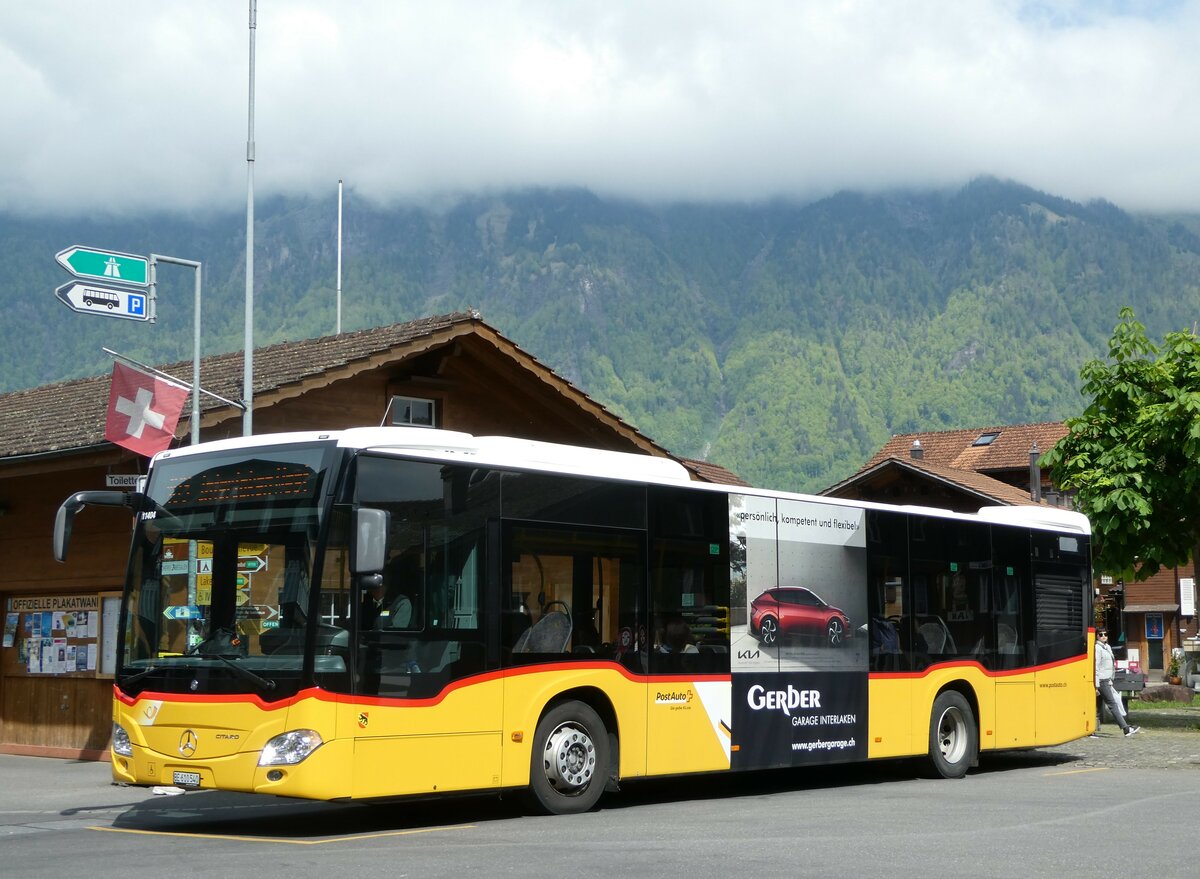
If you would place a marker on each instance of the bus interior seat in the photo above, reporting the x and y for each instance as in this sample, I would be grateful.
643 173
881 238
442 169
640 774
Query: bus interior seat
1006 639
550 634
935 637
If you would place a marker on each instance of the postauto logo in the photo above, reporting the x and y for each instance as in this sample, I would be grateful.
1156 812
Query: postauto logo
673 697
759 698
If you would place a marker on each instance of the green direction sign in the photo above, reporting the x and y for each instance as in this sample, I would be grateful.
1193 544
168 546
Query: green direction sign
111 265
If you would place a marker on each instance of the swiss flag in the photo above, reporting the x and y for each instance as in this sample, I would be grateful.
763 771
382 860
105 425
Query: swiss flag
142 410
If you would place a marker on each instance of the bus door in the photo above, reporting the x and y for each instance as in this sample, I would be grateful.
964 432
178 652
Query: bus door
426 716
1015 718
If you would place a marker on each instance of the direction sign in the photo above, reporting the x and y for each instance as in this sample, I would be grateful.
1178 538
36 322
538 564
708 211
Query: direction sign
108 301
251 564
111 265
256 612
182 612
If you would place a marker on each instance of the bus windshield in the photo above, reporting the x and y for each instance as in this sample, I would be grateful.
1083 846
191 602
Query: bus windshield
223 567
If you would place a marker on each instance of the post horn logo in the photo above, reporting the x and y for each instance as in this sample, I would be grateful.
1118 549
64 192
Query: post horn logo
188 742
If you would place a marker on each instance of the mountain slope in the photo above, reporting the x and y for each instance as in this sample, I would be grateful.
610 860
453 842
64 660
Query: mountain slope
784 341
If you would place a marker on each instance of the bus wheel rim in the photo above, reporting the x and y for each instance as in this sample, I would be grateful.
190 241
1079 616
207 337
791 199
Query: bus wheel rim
952 735
570 758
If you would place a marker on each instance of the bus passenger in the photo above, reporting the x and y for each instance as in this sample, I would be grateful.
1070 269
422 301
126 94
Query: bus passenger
677 637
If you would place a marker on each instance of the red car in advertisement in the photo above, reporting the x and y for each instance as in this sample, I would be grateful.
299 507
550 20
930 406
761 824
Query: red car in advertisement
797 611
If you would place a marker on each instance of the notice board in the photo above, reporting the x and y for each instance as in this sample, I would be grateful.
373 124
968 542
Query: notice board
54 635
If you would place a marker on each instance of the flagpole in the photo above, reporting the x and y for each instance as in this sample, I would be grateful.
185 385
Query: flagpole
339 262
145 367
248 374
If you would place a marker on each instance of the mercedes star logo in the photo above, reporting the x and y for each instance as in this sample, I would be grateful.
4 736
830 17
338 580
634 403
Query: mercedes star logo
188 743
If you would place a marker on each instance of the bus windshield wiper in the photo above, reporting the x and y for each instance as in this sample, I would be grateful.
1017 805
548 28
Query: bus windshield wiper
265 683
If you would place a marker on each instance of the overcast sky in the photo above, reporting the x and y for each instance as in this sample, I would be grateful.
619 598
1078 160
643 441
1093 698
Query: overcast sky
128 105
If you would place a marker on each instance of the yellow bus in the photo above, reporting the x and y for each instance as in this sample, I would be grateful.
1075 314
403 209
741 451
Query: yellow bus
397 611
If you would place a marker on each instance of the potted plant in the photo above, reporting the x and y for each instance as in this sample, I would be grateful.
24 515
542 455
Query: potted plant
1173 670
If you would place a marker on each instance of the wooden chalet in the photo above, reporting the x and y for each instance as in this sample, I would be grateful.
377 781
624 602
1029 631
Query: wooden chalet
452 371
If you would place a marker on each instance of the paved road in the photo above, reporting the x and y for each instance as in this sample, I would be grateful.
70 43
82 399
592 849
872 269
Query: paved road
1100 806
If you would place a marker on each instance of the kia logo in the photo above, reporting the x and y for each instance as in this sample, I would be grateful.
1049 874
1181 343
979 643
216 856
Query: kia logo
188 742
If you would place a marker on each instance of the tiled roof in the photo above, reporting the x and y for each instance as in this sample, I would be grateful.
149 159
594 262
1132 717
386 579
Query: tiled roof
987 489
956 448
714 473
70 415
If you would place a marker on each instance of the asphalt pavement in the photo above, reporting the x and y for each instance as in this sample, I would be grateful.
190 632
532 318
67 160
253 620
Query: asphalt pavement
40 793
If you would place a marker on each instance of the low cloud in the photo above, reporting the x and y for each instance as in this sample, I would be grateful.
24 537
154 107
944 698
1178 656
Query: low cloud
144 105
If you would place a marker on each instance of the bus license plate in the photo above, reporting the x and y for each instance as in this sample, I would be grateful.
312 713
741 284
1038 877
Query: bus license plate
187 779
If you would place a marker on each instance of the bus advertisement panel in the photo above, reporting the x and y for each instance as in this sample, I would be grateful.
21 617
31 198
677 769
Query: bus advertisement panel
799 663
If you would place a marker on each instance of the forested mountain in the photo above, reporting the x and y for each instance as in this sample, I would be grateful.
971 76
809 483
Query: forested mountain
782 340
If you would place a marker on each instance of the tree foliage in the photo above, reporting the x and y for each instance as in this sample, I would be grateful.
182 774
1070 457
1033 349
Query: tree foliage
1133 456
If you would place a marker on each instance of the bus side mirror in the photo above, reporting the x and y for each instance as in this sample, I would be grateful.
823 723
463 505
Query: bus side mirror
65 517
370 540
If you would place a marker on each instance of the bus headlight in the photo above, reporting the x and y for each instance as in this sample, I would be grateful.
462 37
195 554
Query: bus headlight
120 741
290 747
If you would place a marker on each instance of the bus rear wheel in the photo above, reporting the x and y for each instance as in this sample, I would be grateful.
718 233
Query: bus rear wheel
570 761
953 737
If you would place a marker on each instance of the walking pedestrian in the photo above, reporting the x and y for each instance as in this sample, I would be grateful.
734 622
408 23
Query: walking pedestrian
1105 667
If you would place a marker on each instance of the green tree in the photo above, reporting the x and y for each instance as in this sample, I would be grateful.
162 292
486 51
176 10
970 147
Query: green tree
1133 456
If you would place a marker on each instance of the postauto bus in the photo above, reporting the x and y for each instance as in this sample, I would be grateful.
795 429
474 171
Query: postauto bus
396 611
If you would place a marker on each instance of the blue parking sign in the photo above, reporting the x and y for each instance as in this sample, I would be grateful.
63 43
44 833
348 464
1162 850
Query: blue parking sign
137 304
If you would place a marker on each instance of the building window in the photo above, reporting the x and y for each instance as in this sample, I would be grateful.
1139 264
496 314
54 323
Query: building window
412 411
986 439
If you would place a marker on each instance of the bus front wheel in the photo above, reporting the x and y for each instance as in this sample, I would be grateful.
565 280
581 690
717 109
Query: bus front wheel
569 764
953 738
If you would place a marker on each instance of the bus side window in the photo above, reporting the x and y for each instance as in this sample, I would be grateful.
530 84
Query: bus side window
569 591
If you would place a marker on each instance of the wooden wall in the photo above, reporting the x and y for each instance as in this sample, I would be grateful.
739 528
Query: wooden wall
478 388
101 536
58 715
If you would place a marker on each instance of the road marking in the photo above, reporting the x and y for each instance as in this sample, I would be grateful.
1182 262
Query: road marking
237 838
1075 771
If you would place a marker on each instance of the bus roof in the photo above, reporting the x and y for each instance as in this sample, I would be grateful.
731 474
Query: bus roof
447 445
526 454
